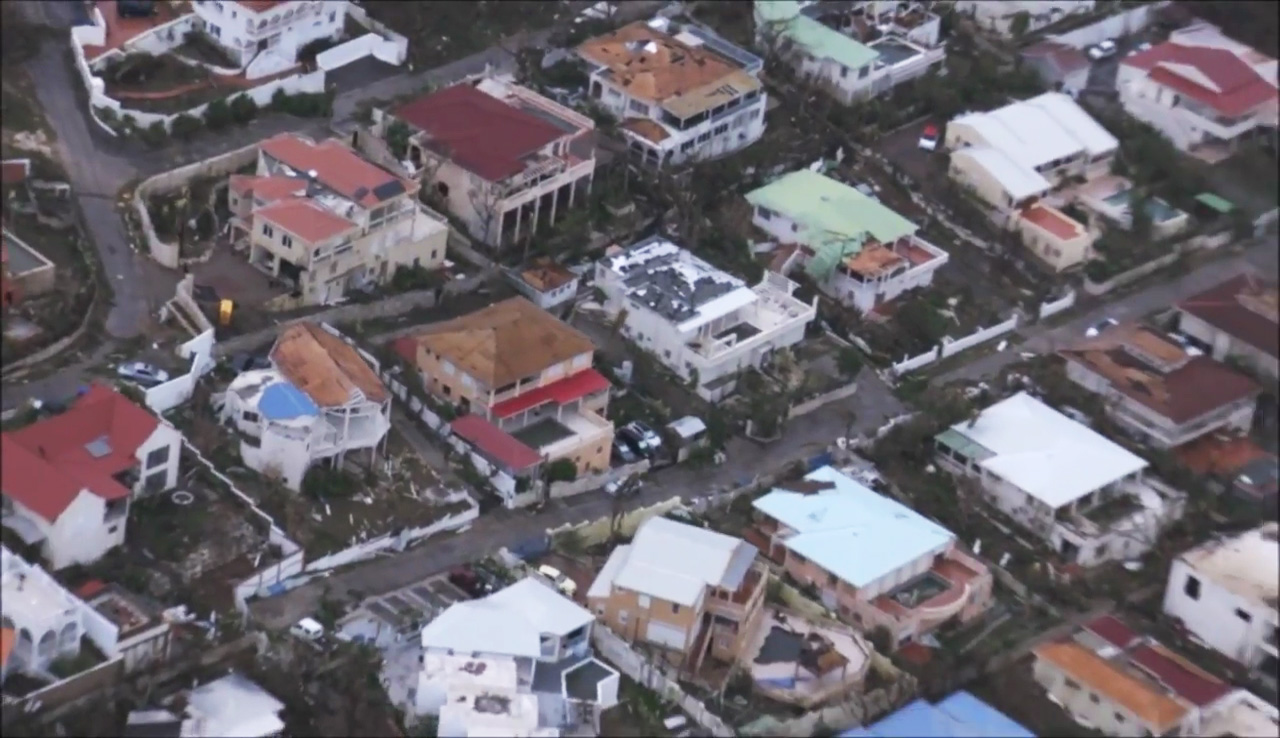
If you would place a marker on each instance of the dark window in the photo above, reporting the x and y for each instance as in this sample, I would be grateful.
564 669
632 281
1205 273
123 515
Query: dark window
157 457
249 416
1119 718
1192 588
831 579
266 231
1072 684
675 608
1094 698
1244 615
286 240
155 483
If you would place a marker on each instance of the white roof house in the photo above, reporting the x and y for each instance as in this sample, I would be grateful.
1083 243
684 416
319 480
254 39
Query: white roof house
235 707
509 622
1019 181
854 533
675 562
1042 452
1247 565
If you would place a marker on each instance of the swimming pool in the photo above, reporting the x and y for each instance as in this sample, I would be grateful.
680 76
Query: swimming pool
892 51
1159 210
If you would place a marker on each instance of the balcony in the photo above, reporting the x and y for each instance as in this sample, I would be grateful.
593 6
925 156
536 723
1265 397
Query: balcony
938 594
738 604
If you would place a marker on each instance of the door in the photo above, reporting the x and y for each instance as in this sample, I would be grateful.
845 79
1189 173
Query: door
663 634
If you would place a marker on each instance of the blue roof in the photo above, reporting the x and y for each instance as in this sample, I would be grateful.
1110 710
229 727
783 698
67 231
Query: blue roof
283 401
851 531
959 716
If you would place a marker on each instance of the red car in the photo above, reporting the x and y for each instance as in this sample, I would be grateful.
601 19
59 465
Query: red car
929 138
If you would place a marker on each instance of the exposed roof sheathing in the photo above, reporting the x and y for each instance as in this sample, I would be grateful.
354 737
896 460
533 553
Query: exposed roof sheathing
324 366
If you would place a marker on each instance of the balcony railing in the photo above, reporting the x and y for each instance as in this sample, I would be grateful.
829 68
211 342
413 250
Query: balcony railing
735 605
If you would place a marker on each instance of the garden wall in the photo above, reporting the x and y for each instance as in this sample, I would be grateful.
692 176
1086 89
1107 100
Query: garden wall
813 403
597 531
1115 26
165 397
85 684
395 48
1210 241
953 347
1055 307
367 549
589 482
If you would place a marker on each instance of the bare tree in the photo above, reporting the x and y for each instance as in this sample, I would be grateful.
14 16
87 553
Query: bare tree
485 199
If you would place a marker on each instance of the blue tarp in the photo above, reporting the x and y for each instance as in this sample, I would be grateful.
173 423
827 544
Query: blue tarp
959 716
283 401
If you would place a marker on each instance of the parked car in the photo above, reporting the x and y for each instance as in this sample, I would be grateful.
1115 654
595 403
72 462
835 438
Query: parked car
465 579
929 138
1144 46
1102 325
307 629
629 487
143 373
623 453
648 436
563 583
633 441
1104 50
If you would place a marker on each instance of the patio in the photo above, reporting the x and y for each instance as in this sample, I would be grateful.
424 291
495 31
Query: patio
800 661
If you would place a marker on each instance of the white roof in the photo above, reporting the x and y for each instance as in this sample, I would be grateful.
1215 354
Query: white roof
508 622
677 562
1037 131
236 707
688 426
1247 565
1241 713
1019 181
603 583
851 531
1044 453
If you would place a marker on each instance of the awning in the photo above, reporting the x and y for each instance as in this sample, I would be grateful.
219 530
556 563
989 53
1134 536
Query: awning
1215 203
561 392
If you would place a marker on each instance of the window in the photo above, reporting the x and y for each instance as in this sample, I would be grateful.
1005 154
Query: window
157 457
722 128
765 213
155 483
795 227
1119 717
862 73
643 601
1191 588
113 528
687 145
844 72
1094 698
249 416
704 137
1071 684
1244 615
333 16
638 107
675 608
266 231
286 240
622 617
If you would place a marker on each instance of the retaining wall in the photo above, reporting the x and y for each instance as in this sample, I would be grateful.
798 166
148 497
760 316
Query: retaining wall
814 403
1210 241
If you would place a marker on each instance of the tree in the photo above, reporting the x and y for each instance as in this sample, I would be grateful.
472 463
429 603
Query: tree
398 134
217 115
243 109
1020 23
560 470
185 126
849 361
485 198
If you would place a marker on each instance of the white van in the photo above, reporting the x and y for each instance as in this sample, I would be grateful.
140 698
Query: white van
307 629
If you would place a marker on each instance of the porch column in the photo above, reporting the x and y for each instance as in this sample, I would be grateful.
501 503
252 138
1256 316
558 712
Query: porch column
591 179
537 210
555 196
502 224
515 234
573 190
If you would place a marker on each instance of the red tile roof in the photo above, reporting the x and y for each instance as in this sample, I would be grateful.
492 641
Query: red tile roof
267 189
1179 675
1239 87
495 443
1052 221
406 348
478 132
90 588
1243 307
46 465
337 167
305 219
561 392
1110 629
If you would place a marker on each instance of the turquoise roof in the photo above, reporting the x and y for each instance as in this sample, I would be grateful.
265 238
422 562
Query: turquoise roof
815 38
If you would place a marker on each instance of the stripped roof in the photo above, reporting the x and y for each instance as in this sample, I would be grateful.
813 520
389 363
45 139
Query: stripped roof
1053 222
1247 565
852 532
328 369
478 132
505 342
338 168
308 220
677 562
1159 374
269 188
1213 76
47 464
545 275
651 65
1148 703
1243 307
649 130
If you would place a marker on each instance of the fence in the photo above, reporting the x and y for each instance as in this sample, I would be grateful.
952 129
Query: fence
955 346
398 541
621 655
1210 241
813 403
1055 307
165 397
596 531
67 691
589 482
1115 26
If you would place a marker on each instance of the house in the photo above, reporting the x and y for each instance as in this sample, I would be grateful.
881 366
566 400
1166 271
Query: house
856 249
517 662
1113 680
684 589
47 620
265 36
523 382
1159 391
856 50
25 271
503 159
1086 496
873 560
1240 319
1224 593
1058 240
1205 92
233 705
68 480
1014 156
960 714
1235 462
705 325
1062 67
142 636
1001 16
324 219
321 399
547 284
681 92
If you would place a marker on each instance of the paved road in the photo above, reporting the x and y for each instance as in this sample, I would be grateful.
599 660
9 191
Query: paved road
1259 257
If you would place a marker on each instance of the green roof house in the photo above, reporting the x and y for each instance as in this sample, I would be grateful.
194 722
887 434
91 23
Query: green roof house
855 248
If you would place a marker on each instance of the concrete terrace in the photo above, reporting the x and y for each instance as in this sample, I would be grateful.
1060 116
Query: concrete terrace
122 30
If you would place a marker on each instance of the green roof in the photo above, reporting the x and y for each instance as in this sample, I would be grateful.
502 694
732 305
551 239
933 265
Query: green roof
837 218
957 441
815 38
1214 202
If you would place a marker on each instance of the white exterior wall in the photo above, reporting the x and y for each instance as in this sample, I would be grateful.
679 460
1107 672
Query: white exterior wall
286 28
1078 702
80 535
997 15
149 646
1212 618
1164 109
164 435
1223 345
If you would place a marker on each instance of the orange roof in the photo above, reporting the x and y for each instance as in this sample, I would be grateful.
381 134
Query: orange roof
1052 221
338 168
267 189
305 219
1149 704
545 276
7 639
872 260
260 6
324 366
652 65
1217 454
646 129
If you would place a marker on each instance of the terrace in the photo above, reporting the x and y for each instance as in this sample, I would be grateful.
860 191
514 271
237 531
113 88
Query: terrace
934 595
804 662
737 604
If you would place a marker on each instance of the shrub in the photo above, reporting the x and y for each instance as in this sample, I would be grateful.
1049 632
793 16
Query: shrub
243 109
217 115
105 114
155 135
409 278
303 104
185 126
561 470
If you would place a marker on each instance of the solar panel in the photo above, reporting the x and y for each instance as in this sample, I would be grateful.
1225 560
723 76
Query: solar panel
98 447
388 190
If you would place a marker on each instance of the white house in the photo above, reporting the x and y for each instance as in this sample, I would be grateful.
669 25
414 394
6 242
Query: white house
67 481
233 706
518 661
854 50
1225 593
856 249
1083 494
1202 90
547 284
267 35
48 621
321 400
681 92
704 324
999 16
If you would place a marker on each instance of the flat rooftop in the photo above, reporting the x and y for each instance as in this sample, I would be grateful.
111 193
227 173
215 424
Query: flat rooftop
1247 565
31 597
127 611
677 285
